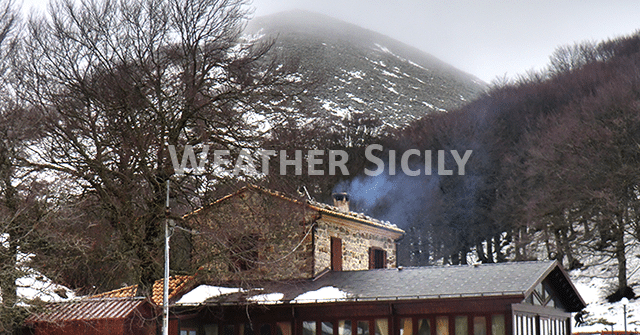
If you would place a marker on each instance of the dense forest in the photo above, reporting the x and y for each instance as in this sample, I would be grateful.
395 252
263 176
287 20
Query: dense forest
93 94
553 172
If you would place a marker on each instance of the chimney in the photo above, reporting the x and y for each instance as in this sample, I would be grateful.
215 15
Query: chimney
341 200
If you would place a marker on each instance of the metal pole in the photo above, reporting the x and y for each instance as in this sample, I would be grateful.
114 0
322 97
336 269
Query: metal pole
165 293
625 318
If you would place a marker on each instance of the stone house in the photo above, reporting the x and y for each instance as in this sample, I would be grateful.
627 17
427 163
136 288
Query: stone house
260 234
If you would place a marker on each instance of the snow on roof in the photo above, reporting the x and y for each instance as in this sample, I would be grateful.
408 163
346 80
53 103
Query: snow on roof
324 293
203 292
269 298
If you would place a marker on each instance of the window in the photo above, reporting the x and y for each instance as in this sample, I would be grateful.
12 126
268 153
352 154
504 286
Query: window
406 326
382 327
462 325
344 327
479 325
363 328
336 254
497 324
377 258
187 332
283 328
442 325
326 328
211 329
308 328
424 327
245 329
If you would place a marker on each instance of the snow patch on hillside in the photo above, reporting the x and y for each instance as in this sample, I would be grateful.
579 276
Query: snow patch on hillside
597 280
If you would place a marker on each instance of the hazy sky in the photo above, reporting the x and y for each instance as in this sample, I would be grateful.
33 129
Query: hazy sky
487 38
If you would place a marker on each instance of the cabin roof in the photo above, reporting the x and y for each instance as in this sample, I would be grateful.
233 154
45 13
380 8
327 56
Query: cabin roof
176 285
516 279
88 309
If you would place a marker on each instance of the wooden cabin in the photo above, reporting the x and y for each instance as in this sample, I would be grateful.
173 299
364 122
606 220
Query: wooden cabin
117 316
518 298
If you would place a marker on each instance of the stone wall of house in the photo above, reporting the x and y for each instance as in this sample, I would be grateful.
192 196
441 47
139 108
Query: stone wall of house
355 245
253 236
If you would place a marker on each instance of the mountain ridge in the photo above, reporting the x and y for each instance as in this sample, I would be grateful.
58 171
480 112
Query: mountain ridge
363 71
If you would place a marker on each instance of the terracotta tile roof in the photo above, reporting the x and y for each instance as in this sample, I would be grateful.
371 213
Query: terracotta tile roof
315 205
176 286
125 292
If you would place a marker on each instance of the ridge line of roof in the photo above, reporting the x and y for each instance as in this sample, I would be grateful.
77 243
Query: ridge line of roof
315 205
453 265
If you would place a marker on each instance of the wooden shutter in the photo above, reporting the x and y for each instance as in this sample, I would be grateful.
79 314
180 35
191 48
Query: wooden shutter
336 254
377 258
372 259
384 259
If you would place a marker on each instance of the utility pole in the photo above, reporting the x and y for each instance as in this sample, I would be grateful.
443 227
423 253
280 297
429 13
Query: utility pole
625 302
165 293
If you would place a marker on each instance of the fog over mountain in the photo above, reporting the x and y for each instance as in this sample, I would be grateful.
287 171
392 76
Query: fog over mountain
360 71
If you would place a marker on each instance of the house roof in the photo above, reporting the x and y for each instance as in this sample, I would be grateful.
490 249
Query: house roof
87 309
312 204
176 285
428 282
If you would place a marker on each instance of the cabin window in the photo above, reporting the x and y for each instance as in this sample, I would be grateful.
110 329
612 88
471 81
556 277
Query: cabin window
308 328
382 327
363 328
211 329
497 325
326 328
245 329
442 325
377 258
228 330
479 325
406 326
462 325
283 328
424 327
188 332
344 327
336 254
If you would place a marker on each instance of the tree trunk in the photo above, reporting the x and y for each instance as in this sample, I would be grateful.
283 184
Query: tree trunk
620 254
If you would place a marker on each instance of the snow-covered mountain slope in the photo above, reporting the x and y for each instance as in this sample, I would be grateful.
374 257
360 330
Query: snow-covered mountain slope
360 71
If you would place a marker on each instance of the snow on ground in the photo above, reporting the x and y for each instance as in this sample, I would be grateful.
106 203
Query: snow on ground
33 285
595 282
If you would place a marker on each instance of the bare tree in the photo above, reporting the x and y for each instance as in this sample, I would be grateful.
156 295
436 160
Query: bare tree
118 81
